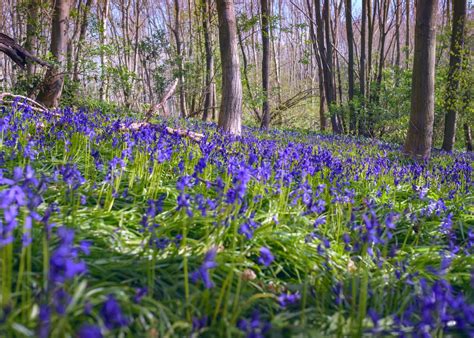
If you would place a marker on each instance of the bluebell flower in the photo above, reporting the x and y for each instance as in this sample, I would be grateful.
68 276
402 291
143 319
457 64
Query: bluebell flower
203 272
199 323
266 258
89 331
44 321
64 264
112 314
254 327
288 299
139 294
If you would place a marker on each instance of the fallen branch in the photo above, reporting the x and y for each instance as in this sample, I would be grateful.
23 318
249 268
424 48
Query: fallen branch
197 137
168 94
293 101
34 105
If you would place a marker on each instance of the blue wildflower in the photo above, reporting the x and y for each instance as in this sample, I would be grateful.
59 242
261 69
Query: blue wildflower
266 258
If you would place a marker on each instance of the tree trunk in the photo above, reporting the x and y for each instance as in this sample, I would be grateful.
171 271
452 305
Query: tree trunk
325 53
82 36
209 100
265 13
52 86
420 129
468 136
230 114
452 97
103 41
362 79
350 47
407 34
398 5
312 33
32 25
383 16
177 36
336 127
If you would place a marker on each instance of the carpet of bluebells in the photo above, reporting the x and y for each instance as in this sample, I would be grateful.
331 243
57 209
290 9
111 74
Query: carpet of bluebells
106 231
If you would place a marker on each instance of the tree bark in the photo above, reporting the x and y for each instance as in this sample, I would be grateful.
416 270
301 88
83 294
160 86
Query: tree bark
312 33
325 53
420 129
265 13
31 31
407 34
350 48
179 52
468 136
455 62
82 36
103 40
230 115
398 8
209 99
52 86
362 79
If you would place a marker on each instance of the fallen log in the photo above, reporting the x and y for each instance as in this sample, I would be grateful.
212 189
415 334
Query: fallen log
196 137
34 105
168 94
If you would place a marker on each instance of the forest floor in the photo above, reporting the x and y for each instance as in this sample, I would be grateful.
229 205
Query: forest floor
111 231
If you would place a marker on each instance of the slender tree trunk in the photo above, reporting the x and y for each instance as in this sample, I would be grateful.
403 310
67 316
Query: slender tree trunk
398 22
265 13
177 36
312 33
407 34
350 48
383 16
455 62
230 115
325 53
420 130
52 86
82 36
209 100
32 25
362 79
103 40
246 74
370 30
468 136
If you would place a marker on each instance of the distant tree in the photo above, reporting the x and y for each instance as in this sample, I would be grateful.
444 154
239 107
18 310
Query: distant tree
325 50
350 48
52 85
179 51
230 115
209 99
103 9
407 33
455 61
265 15
420 129
32 23
363 37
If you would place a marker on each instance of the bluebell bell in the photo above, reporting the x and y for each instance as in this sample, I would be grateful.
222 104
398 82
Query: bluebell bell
203 272
254 327
288 299
89 331
266 257
112 314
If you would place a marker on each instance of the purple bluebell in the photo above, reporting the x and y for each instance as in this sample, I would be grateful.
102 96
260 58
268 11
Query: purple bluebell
266 257
112 314
202 273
